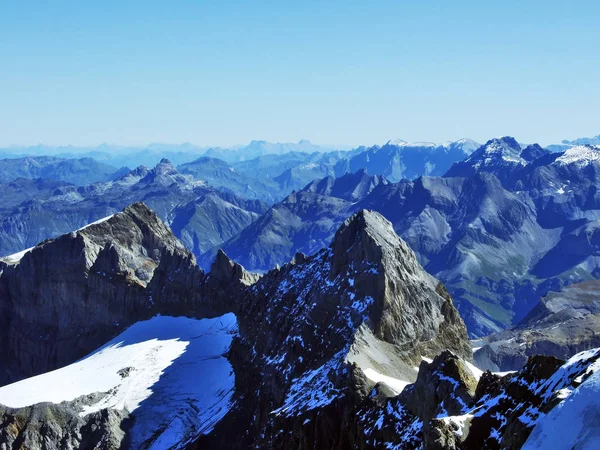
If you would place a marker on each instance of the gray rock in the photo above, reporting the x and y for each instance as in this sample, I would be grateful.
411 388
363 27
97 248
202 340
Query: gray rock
562 324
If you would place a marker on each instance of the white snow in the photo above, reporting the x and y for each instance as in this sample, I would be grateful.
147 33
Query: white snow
461 423
104 219
16 257
475 371
503 374
170 372
394 383
581 154
576 368
469 144
574 423
495 151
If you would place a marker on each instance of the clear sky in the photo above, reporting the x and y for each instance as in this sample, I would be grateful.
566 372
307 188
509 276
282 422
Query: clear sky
336 72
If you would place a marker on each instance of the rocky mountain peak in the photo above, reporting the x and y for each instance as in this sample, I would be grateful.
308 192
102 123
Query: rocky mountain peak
533 152
131 176
351 186
139 236
362 239
499 156
228 271
140 171
505 147
165 167
409 305
81 287
165 174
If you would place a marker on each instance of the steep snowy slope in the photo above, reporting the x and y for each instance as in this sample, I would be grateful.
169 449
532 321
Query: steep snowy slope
574 423
152 370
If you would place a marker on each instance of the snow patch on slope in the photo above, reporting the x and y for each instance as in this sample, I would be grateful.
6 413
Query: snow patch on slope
379 361
104 219
574 423
16 257
581 154
170 372
394 383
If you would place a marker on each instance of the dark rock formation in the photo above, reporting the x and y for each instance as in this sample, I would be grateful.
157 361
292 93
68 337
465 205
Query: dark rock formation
69 295
502 413
317 333
59 427
444 387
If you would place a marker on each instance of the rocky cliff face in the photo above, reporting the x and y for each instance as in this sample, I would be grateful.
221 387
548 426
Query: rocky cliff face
66 296
314 338
319 333
59 427
355 347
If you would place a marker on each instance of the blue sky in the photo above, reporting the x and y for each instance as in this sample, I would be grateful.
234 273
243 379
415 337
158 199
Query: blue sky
223 73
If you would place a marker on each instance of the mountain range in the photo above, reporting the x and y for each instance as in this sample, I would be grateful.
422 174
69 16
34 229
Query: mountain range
501 228
354 347
79 171
260 170
35 210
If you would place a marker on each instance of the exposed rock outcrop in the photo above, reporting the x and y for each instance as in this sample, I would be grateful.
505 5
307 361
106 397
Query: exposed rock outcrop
443 387
501 414
59 427
320 353
69 295
227 271
318 334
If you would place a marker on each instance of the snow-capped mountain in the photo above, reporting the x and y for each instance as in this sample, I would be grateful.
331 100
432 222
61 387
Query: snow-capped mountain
580 154
501 156
501 235
356 314
354 347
